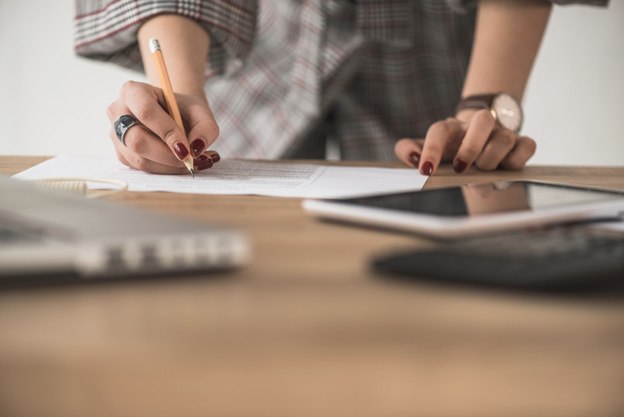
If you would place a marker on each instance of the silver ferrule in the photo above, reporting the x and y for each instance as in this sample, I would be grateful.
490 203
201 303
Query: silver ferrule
154 45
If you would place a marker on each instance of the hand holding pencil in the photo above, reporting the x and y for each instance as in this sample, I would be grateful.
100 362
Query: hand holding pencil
157 142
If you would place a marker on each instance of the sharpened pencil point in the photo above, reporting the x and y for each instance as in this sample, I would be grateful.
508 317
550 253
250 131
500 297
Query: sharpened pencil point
188 163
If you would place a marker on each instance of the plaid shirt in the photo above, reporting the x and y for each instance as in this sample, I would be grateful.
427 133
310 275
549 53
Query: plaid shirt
381 69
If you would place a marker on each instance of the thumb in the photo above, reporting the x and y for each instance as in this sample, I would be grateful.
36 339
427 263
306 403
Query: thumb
409 151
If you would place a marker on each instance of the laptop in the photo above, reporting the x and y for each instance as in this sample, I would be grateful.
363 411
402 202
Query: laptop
49 236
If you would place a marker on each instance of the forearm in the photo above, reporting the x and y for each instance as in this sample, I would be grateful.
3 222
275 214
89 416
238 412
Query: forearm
185 46
507 38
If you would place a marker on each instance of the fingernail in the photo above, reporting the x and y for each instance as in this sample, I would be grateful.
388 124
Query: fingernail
414 158
202 162
459 166
180 150
427 168
198 146
215 157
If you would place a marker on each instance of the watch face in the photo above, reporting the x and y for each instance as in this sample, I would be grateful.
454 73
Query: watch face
508 111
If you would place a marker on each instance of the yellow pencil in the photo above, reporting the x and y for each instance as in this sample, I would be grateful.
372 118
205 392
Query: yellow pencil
172 104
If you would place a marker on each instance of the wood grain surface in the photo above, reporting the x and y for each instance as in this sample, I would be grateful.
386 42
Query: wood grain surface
307 329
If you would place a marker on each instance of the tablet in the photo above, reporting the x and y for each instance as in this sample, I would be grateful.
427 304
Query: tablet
455 212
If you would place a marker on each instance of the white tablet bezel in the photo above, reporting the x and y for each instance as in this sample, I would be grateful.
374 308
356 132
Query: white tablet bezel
444 227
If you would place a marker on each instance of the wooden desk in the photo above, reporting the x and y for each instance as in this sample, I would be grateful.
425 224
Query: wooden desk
308 330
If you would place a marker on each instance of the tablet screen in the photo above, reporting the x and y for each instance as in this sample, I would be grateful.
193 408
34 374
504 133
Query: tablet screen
488 198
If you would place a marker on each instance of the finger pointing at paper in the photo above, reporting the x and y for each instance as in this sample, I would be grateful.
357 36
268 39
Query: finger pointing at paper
478 141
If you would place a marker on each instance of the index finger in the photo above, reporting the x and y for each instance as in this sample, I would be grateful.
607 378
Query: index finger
146 107
477 135
439 135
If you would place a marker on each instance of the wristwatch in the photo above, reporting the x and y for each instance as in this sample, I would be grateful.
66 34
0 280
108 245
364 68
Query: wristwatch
504 107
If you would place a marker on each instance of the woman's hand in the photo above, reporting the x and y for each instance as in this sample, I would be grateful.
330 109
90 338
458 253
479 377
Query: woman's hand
158 145
473 139
507 38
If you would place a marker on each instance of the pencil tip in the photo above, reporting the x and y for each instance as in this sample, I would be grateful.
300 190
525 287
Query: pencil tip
192 173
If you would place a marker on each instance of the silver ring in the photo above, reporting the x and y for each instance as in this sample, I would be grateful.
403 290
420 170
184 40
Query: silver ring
122 124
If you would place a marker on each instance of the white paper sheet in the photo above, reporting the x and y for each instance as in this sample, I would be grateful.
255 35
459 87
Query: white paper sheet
241 177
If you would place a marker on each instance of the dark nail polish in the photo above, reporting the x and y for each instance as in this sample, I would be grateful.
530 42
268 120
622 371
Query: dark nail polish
215 157
198 146
427 168
180 150
202 162
459 166
415 158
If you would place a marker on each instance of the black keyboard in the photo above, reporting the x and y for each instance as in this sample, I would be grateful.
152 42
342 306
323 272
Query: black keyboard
556 258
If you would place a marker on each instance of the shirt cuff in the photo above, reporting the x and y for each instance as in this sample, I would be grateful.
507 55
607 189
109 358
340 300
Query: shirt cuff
107 31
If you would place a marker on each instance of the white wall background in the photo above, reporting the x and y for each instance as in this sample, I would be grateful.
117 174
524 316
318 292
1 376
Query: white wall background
52 102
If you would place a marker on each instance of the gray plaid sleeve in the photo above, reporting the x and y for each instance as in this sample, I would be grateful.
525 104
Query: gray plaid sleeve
463 5
107 30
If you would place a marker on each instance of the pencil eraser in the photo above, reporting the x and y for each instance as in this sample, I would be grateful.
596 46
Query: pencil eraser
154 45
